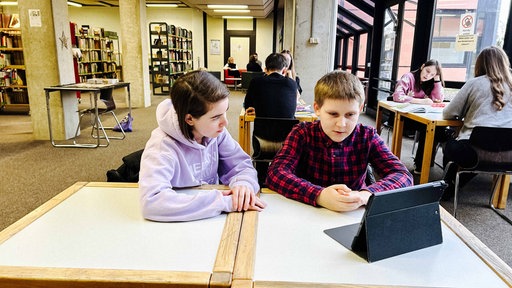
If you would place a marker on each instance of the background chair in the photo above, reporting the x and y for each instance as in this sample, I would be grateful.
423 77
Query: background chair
267 138
493 149
97 125
248 76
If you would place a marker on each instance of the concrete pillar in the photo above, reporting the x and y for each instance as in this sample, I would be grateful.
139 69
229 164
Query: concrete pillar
135 51
48 61
316 21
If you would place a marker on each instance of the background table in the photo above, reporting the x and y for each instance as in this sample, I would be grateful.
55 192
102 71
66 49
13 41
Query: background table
244 127
95 90
285 246
431 121
93 235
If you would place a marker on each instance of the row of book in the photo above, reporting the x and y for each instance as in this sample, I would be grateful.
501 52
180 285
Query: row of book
88 68
9 20
8 58
11 39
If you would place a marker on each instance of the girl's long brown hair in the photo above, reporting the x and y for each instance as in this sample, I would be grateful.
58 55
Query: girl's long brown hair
493 62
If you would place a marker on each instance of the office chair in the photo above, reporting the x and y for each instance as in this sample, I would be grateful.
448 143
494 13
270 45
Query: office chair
493 149
267 138
97 126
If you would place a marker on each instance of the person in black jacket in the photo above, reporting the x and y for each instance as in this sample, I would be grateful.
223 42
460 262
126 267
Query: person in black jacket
253 65
273 95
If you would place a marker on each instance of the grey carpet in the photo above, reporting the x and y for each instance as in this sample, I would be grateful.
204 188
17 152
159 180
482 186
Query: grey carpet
32 172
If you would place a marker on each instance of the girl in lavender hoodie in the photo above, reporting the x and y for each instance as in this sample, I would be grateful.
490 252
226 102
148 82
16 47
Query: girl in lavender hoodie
191 147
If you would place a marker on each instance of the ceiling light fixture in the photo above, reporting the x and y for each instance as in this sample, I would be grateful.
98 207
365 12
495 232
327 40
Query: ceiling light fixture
71 3
9 3
237 17
227 6
230 11
162 5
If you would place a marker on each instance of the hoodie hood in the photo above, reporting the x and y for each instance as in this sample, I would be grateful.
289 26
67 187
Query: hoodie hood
167 120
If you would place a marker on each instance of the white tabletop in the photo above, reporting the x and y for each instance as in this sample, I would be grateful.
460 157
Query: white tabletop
102 227
291 246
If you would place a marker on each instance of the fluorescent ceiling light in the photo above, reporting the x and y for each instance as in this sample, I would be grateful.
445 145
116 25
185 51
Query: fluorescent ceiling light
237 17
227 6
70 3
162 5
9 3
230 11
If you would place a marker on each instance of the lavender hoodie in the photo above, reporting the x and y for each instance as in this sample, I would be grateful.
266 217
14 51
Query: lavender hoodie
172 161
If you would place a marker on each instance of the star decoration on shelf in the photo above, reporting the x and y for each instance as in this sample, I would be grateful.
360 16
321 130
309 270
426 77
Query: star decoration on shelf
63 41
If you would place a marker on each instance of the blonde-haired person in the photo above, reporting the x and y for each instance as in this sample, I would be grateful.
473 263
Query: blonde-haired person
324 163
232 67
483 101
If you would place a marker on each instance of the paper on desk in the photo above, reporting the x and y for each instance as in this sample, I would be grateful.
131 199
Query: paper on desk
417 108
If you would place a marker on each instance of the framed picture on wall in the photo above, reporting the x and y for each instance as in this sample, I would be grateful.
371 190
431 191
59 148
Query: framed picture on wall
214 47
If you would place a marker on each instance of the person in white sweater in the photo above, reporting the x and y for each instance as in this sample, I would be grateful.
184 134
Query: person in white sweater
483 101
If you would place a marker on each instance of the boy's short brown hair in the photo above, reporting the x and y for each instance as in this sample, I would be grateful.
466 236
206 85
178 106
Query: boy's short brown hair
339 85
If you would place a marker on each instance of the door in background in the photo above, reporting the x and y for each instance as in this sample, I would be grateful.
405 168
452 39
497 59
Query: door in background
239 49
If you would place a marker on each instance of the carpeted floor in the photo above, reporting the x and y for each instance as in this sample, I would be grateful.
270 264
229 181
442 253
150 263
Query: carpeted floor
32 171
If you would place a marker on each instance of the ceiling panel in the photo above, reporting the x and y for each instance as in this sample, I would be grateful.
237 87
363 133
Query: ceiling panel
258 8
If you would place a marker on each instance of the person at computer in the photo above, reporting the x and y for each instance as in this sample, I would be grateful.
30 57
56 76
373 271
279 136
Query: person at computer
273 95
232 68
253 65
190 147
483 101
422 86
324 163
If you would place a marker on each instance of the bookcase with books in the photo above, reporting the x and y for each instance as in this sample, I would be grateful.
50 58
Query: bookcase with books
171 55
99 55
13 86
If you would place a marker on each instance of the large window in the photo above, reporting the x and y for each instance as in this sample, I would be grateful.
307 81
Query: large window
489 19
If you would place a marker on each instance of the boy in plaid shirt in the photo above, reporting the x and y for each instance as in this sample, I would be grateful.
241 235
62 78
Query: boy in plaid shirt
324 163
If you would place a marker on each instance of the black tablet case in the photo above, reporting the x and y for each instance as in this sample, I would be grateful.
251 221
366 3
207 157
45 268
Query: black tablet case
395 222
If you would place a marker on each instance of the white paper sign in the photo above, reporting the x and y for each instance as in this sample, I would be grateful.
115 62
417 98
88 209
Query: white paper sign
467 24
35 17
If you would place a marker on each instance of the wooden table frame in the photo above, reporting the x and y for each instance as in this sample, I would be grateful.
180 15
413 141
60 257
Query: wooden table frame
243 275
431 120
221 276
244 127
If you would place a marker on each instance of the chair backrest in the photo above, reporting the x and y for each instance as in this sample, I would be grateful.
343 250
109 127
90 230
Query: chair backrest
216 74
493 146
248 76
269 134
107 98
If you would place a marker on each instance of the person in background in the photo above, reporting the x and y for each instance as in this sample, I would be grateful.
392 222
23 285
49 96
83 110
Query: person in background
273 95
324 163
253 65
291 70
191 147
422 86
483 101
232 68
